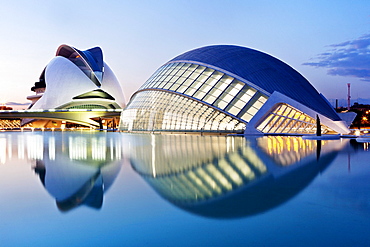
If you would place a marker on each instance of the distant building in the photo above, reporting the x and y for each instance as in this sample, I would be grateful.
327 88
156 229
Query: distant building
229 89
4 107
9 123
362 119
360 107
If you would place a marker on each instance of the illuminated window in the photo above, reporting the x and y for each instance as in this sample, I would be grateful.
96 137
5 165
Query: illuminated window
173 112
286 119
215 88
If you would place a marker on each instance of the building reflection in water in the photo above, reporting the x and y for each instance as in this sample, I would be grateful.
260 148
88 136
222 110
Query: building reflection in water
75 168
227 177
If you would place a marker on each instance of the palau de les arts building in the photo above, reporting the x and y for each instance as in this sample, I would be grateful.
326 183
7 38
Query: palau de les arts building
229 89
213 89
77 88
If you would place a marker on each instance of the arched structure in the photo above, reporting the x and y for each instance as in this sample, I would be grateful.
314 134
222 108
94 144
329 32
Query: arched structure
230 89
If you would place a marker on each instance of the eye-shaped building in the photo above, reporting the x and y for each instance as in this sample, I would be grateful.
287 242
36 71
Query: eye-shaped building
229 89
76 80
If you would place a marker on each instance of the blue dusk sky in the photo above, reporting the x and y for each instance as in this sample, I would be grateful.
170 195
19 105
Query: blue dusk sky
328 42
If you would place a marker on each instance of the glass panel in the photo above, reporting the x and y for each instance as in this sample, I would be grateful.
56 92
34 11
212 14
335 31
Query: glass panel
194 75
168 85
181 80
206 88
296 116
220 104
212 81
202 78
271 124
207 72
161 84
199 94
227 79
174 71
245 97
233 91
240 104
200 69
221 85
281 109
247 117
217 75
257 104
238 85
187 81
181 89
187 73
302 117
196 84
215 92
251 91
227 98
292 113
234 110
192 67
209 99
264 123
280 126
174 78
287 125
190 91
262 99
185 66
297 127
179 72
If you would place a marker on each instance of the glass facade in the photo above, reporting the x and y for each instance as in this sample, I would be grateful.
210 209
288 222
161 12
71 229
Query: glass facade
164 111
190 97
88 106
286 119
11 124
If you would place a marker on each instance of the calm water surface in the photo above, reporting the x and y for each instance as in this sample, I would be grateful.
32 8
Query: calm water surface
115 189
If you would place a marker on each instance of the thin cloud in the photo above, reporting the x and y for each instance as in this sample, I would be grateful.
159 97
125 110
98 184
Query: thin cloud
350 58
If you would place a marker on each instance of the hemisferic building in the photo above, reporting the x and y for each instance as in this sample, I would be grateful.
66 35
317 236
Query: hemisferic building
229 89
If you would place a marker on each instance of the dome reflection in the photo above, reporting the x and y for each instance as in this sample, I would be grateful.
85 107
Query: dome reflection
227 177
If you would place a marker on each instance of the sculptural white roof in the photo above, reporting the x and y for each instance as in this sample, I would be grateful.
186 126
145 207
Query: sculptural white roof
72 73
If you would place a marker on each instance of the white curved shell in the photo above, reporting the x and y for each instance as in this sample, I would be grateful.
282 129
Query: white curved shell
64 80
111 85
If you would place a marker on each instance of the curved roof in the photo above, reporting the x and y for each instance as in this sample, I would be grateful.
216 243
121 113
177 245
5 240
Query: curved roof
95 94
262 70
91 58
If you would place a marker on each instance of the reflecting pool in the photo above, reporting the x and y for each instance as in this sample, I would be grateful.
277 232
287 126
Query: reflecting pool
118 189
